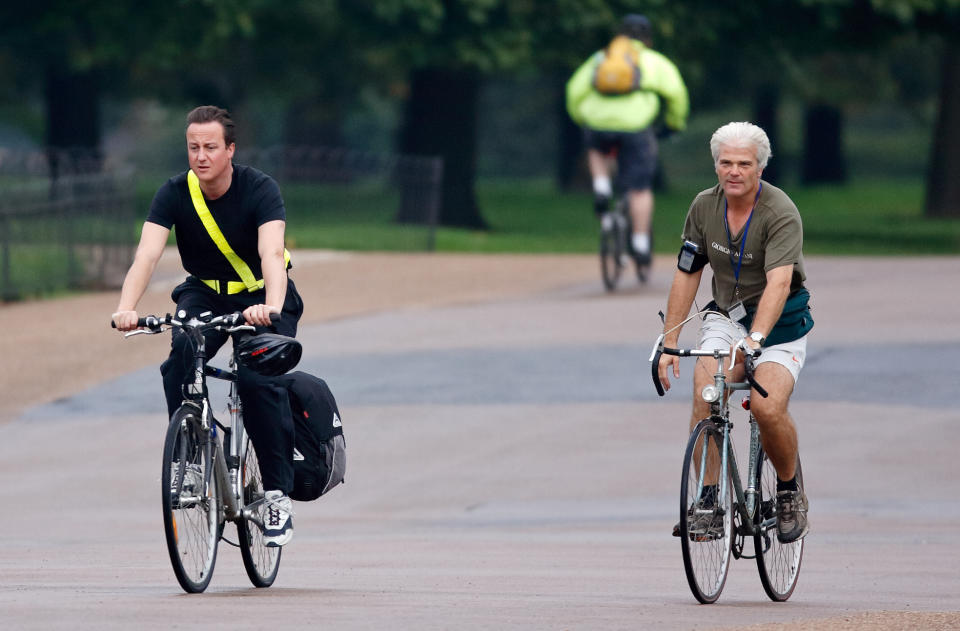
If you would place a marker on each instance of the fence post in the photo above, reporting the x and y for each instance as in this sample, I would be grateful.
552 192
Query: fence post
433 216
6 285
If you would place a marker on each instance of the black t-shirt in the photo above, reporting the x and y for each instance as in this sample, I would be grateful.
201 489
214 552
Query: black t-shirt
252 200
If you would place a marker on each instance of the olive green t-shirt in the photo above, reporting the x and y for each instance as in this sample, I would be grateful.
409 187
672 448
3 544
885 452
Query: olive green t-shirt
774 239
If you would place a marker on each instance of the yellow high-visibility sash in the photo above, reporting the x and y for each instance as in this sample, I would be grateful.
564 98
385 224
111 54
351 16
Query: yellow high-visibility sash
248 282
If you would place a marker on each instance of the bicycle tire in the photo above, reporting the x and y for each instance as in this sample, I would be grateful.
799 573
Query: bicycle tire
706 547
190 519
260 561
778 563
611 253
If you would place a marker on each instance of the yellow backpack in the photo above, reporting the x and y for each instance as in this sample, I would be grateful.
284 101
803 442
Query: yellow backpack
619 70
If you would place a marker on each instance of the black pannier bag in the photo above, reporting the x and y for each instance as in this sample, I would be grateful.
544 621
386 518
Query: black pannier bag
319 457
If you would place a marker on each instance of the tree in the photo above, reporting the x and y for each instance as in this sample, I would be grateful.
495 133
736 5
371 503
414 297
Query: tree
445 48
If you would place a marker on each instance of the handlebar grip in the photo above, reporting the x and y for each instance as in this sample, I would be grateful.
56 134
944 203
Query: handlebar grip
141 322
655 373
748 370
274 317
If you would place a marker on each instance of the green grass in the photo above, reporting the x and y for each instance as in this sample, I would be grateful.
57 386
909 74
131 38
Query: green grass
882 217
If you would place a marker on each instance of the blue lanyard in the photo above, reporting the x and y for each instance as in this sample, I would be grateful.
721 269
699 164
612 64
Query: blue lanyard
743 242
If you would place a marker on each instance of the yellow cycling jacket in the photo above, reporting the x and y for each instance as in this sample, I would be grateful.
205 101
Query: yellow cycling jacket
635 111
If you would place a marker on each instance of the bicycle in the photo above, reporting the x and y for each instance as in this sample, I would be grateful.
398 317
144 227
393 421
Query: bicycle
615 245
208 476
715 521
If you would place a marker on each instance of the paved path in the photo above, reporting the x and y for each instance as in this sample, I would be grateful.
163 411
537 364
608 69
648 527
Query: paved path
510 467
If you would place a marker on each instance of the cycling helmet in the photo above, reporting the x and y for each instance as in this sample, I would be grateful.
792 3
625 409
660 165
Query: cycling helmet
268 353
637 26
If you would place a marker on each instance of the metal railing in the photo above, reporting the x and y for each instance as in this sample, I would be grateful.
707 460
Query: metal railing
69 233
354 187
68 219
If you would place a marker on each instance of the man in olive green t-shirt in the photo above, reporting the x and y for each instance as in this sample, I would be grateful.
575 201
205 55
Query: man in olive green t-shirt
750 234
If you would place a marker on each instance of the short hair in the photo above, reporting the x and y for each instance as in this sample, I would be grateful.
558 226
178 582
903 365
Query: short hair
743 136
636 26
214 114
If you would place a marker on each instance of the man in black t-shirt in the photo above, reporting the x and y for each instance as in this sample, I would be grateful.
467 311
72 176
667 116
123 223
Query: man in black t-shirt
248 210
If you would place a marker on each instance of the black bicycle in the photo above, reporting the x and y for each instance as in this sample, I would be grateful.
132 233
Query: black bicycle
717 512
210 473
616 246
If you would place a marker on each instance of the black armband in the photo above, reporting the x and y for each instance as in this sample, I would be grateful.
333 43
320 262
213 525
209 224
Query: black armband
690 259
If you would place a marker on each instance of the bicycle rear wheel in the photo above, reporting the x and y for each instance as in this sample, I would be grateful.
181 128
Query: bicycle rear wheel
706 513
191 500
612 253
261 562
778 563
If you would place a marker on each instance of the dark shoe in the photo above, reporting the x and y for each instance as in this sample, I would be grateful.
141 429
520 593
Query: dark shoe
601 204
791 516
704 527
277 522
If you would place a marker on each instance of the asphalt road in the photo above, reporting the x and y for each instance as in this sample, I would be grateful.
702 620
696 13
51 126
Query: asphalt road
510 466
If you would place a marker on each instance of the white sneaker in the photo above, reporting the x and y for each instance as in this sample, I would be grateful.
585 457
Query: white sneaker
277 519
192 478
641 243
606 222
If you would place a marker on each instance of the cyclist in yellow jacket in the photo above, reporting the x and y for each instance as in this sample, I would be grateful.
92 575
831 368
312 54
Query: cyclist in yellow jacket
621 121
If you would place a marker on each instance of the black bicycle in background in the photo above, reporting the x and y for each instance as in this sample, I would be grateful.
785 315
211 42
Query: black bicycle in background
616 247
210 473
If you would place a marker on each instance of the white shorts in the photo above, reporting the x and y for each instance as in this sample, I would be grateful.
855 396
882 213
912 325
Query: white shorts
718 332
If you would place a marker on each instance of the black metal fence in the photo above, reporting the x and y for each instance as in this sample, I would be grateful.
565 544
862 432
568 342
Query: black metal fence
353 195
64 223
69 219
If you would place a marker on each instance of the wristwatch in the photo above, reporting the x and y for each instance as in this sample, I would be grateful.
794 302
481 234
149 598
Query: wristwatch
758 337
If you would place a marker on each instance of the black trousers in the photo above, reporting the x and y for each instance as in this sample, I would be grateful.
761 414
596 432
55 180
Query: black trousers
266 404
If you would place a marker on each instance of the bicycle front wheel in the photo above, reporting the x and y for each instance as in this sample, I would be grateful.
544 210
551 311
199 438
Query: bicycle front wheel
706 513
611 255
778 563
261 562
191 500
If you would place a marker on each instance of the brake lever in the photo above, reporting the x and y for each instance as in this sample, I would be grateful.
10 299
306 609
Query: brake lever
241 327
143 332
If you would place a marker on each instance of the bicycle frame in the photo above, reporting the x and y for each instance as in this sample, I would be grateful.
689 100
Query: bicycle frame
719 400
226 461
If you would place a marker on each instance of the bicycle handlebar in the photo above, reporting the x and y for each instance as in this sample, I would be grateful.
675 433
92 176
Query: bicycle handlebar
230 322
696 352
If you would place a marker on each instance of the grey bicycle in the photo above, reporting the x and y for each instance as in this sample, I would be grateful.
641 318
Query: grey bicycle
210 473
718 512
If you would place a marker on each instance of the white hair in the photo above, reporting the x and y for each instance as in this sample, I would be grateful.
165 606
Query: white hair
742 136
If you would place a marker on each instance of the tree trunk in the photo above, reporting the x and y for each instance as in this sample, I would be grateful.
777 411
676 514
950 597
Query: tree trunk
766 102
73 120
571 171
441 120
823 159
943 182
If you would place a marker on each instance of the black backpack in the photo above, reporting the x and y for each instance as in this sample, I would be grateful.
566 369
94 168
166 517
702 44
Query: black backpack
319 456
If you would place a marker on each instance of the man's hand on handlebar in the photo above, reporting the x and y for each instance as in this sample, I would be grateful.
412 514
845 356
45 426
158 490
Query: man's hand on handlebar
259 315
744 346
125 320
663 370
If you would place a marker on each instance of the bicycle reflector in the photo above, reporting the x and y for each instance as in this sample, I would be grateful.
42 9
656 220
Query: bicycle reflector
269 354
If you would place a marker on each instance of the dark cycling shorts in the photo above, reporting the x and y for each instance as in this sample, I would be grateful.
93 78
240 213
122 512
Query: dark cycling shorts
636 155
